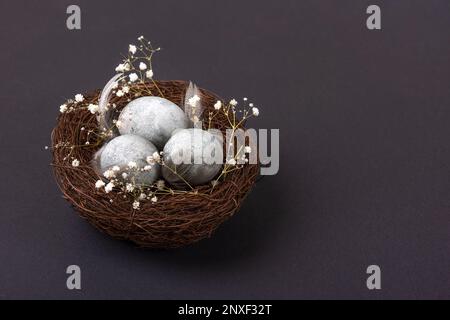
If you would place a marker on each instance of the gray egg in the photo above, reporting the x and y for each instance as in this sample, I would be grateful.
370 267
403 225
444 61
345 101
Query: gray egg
122 150
195 155
153 118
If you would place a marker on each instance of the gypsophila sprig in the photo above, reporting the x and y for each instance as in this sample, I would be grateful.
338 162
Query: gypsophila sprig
230 111
137 65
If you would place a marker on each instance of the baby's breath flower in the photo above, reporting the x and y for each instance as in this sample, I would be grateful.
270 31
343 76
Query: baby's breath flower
149 74
194 100
141 38
108 174
124 175
147 168
133 77
136 205
248 149
99 184
109 187
116 168
142 66
129 187
132 48
233 102
218 105
75 163
250 105
119 68
154 199
63 108
255 111
118 123
231 162
93 108
79 98
126 89
132 165
122 68
245 99
119 93
156 157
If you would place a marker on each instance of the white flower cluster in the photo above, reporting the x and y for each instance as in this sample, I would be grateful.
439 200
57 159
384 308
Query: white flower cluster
154 158
75 163
138 62
65 107
79 98
133 77
230 111
126 186
142 66
123 67
93 108
218 105
194 100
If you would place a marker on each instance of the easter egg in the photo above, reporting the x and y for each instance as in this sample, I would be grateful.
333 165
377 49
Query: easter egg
192 157
129 153
153 118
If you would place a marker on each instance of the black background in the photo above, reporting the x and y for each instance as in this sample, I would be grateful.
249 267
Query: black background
364 129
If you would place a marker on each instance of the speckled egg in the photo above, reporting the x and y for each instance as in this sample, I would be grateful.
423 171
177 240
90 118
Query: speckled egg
195 155
124 149
153 118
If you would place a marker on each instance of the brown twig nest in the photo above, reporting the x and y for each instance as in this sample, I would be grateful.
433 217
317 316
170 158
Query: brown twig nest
175 220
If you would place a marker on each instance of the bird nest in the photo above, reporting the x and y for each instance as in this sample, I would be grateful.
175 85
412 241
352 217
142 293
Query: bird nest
177 218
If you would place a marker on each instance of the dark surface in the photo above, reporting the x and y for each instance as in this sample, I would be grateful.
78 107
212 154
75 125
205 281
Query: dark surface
365 158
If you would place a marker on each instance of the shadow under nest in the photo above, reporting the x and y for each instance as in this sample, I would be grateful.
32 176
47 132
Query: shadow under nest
175 220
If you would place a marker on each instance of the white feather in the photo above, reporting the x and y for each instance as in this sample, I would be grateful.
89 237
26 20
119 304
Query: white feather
193 113
104 116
